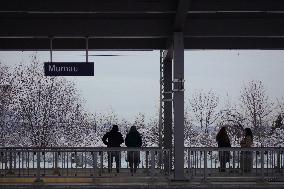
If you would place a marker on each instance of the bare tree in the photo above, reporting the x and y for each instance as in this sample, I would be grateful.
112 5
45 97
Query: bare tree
256 107
5 98
204 108
103 122
48 110
280 106
231 118
190 134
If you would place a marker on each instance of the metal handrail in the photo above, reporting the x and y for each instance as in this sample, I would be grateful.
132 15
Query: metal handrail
253 162
41 162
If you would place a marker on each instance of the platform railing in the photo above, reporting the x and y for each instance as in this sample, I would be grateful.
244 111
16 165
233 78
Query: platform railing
79 162
200 162
257 162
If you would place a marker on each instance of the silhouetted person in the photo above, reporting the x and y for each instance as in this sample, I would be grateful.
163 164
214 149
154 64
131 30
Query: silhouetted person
133 139
113 138
246 156
223 140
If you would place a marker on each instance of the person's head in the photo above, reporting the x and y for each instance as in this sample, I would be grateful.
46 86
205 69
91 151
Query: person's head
114 128
222 133
223 129
132 129
248 132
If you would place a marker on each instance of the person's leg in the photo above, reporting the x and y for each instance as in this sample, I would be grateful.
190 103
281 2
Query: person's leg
135 166
109 161
136 161
130 159
222 162
131 166
117 161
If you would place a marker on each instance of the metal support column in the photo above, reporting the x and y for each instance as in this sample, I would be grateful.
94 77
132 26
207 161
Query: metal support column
161 110
166 105
178 105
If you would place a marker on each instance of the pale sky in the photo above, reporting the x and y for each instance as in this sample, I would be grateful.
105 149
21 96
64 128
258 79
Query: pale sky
129 84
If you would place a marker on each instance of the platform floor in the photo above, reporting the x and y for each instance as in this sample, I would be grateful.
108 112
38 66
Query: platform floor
142 180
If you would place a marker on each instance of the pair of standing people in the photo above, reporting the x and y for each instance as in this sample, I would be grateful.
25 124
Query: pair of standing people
114 138
246 156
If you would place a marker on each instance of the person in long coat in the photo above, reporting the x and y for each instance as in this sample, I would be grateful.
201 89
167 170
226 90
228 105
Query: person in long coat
246 156
133 139
223 140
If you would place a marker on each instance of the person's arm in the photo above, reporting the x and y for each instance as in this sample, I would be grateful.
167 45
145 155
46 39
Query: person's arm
105 137
246 142
121 139
139 140
126 140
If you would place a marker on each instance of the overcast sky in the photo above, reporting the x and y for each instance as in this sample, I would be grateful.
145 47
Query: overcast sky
129 84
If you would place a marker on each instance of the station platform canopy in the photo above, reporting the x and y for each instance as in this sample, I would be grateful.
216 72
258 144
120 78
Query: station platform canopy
141 24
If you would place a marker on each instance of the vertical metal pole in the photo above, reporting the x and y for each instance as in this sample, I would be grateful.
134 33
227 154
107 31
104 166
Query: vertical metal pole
51 49
147 162
205 165
38 167
278 160
152 153
167 101
178 105
87 49
188 161
94 157
10 161
161 109
102 163
262 165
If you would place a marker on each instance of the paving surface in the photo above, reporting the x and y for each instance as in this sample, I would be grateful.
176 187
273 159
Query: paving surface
131 183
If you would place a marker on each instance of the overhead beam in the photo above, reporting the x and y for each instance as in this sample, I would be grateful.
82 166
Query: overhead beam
195 27
223 27
242 43
30 44
88 6
99 27
237 5
142 6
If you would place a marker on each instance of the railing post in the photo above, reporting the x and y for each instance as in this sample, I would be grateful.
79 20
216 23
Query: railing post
102 163
147 162
94 157
56 168
278 160
188 161
11 161
234 166
205 165
262 165
152 162
38 179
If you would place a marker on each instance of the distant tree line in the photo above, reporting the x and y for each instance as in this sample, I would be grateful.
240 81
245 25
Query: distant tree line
36 110
254 109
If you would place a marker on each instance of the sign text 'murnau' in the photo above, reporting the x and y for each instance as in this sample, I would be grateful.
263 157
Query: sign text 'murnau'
69 68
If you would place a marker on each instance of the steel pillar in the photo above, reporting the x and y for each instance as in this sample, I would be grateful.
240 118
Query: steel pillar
166 105
178 105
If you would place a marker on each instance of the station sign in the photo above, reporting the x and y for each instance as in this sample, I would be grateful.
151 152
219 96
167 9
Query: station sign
69 68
